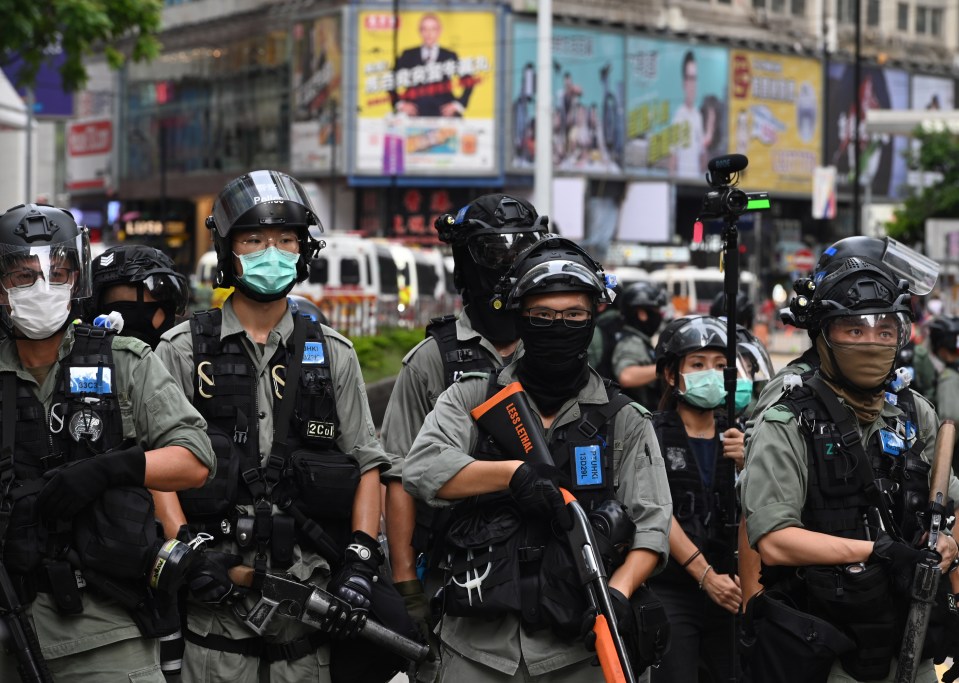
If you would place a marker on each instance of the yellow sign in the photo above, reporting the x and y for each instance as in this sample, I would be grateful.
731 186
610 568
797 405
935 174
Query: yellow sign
775 119
431 106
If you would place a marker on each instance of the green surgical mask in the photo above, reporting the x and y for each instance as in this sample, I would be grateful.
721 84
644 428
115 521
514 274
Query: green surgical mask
268 271
704 389
744 394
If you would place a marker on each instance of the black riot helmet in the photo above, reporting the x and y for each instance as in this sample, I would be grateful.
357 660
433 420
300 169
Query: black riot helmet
486 236
745 312
50 238
143 267
262 199
554 264
891 260
944 334
685 335
648 298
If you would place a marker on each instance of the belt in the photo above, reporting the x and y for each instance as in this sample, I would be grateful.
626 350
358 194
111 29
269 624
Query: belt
259 647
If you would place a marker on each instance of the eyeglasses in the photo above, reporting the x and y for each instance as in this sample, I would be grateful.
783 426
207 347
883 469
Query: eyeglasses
256 242
540 316
26 277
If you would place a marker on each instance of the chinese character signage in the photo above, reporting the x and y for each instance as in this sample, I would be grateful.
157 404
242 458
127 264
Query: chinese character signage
588 86
317 74
774 119
429 109
676 107
881 161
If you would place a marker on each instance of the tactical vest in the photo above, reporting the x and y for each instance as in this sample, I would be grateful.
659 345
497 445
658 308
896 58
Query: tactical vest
84 421
519 565
611 331
310 479
458 356
708 515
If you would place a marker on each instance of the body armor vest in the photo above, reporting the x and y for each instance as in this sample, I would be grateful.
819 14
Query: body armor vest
708 515
458 356
311 474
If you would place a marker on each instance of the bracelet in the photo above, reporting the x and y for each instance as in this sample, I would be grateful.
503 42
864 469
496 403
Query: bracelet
703 577
691 558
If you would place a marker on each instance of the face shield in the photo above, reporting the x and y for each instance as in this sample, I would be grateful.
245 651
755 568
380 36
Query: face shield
558 276
885 329
919 271
753 363
498 250
166 287
260 188
59 264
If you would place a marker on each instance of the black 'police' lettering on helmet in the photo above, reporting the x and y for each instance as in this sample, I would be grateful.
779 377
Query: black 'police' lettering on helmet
262 199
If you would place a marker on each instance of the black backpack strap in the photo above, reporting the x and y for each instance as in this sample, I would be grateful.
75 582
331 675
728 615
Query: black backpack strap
593 420
849 436
8 413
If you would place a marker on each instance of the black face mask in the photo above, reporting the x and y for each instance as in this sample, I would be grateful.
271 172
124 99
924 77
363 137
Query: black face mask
651 324
138 319
499 327
553 366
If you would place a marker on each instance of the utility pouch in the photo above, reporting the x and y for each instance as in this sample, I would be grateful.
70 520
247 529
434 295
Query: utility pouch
482 563
23 549
117 534
215 500
780 643
63 587
562 594
857 598
282 540
913 500
653 627
836 465
326 482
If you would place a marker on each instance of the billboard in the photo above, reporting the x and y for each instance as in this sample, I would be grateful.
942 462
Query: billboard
588 86
89 146
317 72
430 107
775 119
931 93
676 107
881 161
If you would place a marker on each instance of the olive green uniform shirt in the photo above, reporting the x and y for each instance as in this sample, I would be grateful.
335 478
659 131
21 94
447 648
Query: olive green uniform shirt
155 415
595 352
420 382
634 348
357 437
946 396
443 448
773 484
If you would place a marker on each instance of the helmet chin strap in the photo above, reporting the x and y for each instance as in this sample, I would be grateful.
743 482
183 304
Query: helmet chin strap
258 296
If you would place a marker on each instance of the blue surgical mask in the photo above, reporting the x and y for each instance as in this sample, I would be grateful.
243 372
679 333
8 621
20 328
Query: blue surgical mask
744 394
268 271
704 389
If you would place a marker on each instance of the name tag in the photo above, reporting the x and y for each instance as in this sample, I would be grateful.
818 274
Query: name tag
891 443
96 380
313 354
589 465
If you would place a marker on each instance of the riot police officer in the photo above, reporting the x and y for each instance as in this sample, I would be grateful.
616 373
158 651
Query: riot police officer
745 311
89 419
702 456
807 487
944 342
298 483
142 285
507 613
629 358
486 236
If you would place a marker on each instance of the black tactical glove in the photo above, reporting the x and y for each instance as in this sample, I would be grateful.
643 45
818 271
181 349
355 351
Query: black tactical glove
900 560
352 583
209 579
418 607
625 623
536 492
72 487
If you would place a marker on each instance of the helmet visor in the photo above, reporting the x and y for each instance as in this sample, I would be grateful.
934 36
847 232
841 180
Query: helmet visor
252 189
168 287
919 271
559 275
59 263
887 329
753 362
499 250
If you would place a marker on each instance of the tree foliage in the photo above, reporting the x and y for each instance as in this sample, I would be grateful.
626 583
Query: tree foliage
34 29
939 153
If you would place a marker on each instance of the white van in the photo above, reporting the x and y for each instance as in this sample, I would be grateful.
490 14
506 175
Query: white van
692 290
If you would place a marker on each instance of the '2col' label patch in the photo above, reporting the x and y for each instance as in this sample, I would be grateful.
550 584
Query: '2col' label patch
589 465
313 353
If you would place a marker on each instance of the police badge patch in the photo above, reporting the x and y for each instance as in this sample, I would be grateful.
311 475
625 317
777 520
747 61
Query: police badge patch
676 458
85 424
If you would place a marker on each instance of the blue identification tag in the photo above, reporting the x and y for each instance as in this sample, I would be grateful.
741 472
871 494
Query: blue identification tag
891 443
313 353
91 380
589 465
